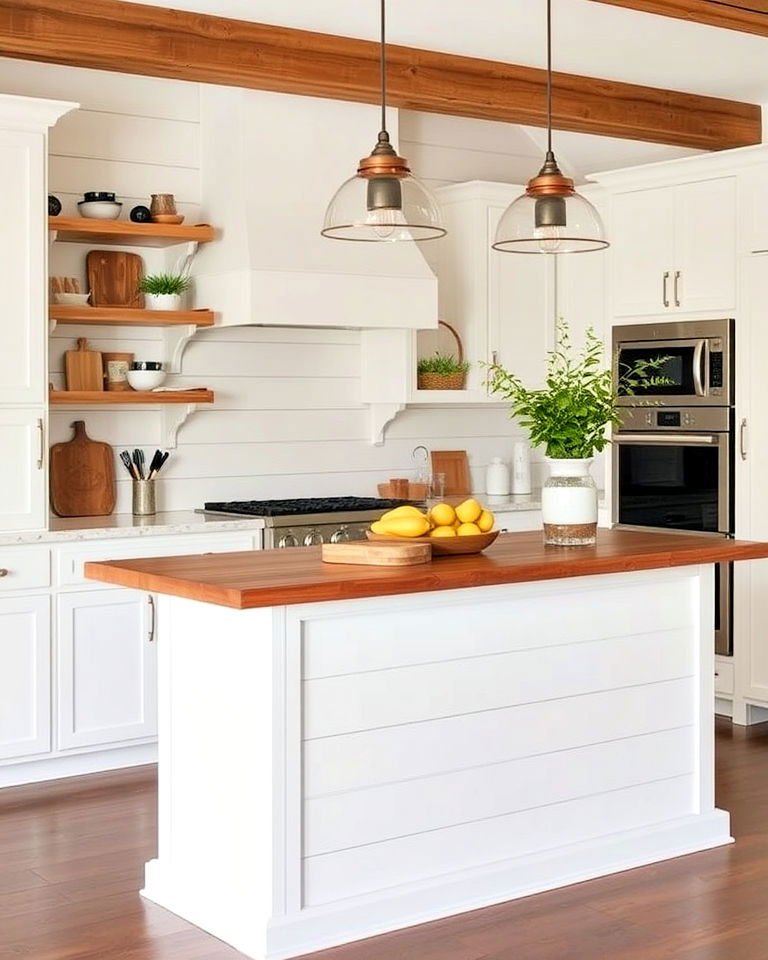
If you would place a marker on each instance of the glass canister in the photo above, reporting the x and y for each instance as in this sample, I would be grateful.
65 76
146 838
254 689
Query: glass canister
569 503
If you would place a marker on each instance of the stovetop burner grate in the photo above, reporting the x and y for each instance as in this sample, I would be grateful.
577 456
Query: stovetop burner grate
301 506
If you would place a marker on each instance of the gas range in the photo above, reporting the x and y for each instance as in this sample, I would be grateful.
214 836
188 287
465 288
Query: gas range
306 522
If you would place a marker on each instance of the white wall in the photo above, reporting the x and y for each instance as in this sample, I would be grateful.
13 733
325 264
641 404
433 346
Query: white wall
288 420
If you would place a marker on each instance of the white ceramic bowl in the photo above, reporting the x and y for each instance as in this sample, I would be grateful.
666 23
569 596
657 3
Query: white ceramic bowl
145 379
72 299
100 209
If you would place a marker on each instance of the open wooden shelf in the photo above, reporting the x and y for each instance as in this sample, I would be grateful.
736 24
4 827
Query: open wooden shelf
128 233
130 316
108 397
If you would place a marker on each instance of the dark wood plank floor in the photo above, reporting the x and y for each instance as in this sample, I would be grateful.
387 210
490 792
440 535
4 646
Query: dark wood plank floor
71 856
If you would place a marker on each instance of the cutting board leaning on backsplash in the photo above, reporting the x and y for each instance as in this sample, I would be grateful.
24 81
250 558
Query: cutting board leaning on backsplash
113 278
82 476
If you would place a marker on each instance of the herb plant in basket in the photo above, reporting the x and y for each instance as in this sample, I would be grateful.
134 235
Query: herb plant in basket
569 417
443 371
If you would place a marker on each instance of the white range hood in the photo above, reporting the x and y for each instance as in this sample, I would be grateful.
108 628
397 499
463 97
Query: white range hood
269 165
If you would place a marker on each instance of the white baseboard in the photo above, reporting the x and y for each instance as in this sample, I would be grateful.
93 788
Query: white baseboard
56 768
209 904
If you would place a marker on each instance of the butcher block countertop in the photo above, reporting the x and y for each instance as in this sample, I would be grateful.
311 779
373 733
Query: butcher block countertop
277 577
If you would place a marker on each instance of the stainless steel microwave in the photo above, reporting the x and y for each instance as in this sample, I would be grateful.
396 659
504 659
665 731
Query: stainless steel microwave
698 363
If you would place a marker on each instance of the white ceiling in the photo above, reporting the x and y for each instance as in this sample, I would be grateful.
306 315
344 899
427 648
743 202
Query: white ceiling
593 39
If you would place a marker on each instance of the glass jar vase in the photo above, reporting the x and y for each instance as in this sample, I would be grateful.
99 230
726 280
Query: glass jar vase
569 503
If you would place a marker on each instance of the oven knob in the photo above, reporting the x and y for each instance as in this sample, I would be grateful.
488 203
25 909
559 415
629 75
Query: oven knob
287 540
341 535
313 539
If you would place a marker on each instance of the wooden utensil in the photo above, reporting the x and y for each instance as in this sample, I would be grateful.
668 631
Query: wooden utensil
83 368
82 476
455 465
396 554
113 278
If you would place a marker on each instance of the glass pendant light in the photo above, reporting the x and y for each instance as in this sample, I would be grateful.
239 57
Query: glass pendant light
383 202
550 217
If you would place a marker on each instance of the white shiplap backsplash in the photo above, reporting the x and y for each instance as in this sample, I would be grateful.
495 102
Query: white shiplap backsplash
288 420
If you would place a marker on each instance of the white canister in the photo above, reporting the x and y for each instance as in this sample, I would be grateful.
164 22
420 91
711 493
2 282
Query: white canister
521 468
497 478
569 503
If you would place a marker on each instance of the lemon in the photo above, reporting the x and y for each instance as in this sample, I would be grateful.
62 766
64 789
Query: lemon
404 511
468 530
485 521
469 511
442 514
378 527
443 532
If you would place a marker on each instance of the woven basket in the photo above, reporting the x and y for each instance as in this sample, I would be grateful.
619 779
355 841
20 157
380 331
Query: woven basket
444 381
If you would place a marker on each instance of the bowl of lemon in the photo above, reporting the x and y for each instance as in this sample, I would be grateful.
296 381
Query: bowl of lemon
467 528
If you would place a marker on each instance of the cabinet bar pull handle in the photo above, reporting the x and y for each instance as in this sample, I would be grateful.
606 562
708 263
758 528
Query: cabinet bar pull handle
3 572
677 288
151 601
495 357
743 439
41 449
664 297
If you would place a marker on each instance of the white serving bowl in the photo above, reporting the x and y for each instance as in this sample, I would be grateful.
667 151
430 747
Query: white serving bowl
145 379
100 209
72 299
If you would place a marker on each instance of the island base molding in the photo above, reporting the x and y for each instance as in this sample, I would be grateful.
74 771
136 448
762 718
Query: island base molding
332 771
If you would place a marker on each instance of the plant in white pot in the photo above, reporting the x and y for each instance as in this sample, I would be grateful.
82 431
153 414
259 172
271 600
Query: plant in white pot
163 291
570 417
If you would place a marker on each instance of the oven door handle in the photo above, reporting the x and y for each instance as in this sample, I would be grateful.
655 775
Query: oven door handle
698 367
699 439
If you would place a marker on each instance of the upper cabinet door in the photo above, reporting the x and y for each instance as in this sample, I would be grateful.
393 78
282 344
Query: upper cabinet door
23 323
642 251
22 440
705 246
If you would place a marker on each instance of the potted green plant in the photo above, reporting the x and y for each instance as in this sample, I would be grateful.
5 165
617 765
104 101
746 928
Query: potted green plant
162 291
569 417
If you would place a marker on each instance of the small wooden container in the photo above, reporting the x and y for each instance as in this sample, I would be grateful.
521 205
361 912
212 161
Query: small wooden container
116 367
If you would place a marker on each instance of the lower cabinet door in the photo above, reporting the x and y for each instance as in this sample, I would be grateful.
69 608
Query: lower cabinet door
106 668
22 440
25 677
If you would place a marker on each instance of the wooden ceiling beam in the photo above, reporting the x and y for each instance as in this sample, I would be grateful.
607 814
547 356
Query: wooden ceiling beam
745 16
156 41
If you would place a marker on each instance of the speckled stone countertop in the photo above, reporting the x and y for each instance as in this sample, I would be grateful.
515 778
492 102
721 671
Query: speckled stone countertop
122 525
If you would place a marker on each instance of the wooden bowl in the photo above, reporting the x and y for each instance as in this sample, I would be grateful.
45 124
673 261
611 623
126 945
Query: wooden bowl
167 218
445 546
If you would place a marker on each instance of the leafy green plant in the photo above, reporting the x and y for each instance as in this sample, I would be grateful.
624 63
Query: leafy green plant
442 363
159 283
570 415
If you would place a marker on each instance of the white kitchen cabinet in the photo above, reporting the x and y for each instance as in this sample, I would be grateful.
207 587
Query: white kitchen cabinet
106 670
674 249
22 441
25 676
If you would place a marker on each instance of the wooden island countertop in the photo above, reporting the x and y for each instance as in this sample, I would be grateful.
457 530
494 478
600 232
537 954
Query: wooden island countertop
278 577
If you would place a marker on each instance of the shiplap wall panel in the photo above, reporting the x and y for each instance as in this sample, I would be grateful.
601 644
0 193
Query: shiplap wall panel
347 873
342 763
381 698
337 646
295 387
375 814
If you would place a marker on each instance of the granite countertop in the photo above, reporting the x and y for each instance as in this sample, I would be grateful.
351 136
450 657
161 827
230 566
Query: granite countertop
123 525
257 578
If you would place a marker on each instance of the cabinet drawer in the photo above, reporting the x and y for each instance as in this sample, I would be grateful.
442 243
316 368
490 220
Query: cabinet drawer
723 677
71 559
22 568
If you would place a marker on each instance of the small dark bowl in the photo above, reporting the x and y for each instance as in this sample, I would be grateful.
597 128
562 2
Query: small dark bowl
141 214
95 195
146 365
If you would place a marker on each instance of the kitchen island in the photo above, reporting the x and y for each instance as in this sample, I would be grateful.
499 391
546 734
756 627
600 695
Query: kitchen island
347 750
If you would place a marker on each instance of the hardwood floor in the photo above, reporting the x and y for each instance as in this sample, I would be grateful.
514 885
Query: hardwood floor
71 856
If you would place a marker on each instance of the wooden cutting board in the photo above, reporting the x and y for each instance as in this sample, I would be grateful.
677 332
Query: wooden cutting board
113 278
455 465
83 368
82 476
377 554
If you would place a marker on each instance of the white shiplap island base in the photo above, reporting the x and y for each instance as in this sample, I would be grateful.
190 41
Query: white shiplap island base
333 770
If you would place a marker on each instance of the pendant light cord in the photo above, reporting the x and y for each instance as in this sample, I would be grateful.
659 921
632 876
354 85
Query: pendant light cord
549 75
383 67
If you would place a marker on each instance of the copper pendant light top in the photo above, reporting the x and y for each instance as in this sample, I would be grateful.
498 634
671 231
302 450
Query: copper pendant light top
383 161
550 181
